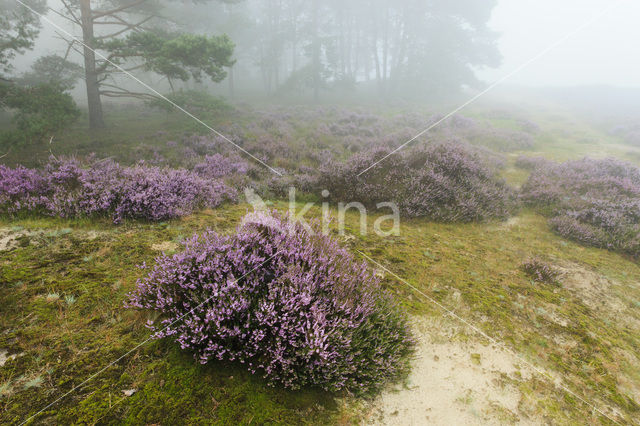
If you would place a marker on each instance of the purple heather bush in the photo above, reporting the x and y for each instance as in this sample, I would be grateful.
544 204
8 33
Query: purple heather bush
148 154
291 305
529 126
270 149
630 133
443 181
68 188
21 189
595 202
344 128
218 166
203 144
153 193
484 134
302 180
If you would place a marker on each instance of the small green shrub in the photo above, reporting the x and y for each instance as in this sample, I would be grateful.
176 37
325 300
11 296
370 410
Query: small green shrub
541 271
39 112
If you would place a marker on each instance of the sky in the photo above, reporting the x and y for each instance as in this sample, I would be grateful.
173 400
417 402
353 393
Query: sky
605 53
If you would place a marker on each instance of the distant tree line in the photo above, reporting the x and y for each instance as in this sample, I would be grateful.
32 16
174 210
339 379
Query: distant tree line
397 46
285 47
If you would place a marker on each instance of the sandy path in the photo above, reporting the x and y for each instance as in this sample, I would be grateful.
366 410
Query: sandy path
454 382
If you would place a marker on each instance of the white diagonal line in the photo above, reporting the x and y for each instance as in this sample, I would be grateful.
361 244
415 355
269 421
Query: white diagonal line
503 79
489 338
146 86
139 345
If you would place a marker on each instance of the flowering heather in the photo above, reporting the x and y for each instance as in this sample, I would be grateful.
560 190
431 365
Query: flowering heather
630 133
218 166
67 188
203 144
529 126
447 182
148 154
21 188
353 127
478 133
540 271
153 193
271 149
595 202
302 180
290 305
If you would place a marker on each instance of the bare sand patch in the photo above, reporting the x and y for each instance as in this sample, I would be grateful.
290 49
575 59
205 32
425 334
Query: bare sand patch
167 246
454 382
592 288
506 225
11 238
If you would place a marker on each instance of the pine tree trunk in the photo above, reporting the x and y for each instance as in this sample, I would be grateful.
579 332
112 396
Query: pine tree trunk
96 119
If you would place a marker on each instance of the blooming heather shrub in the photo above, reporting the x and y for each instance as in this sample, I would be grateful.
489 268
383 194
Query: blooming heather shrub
67 188
154 193
529 126
21 188
569 184
595 202
540 271
447 182
348 128
74 190
451 183
379 184
290 305
270 149
203 144
630 133
149 154
218 166
303 181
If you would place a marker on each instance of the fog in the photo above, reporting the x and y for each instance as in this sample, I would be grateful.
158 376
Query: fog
605 53
406 51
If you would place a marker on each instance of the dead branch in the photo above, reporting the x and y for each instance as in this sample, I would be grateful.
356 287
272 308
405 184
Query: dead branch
128 27
70 10
127 94
111 12
72 19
